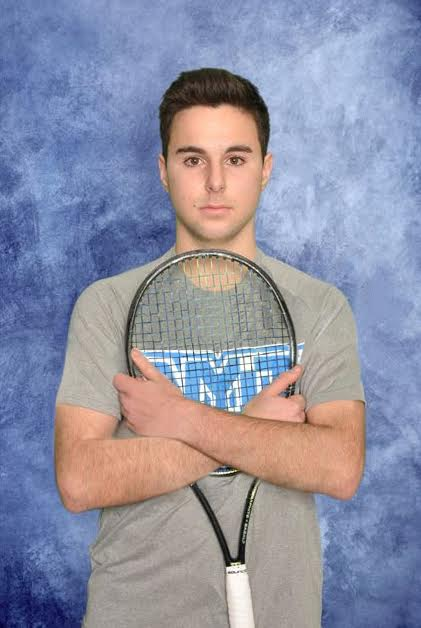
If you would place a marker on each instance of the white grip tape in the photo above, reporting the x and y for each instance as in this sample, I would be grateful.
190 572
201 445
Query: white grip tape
240 607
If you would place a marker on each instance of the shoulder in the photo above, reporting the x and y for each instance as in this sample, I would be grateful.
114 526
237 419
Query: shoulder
300 289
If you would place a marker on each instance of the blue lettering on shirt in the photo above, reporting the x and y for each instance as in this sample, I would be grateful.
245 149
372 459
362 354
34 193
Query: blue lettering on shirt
226 380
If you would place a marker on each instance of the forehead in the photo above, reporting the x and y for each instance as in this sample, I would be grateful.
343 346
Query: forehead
213 127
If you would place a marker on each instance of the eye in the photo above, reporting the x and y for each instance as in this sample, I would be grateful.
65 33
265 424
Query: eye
236 161
192 161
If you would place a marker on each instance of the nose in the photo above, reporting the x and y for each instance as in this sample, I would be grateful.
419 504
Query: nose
215 180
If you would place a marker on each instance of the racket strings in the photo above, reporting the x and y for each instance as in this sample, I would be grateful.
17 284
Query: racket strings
214 328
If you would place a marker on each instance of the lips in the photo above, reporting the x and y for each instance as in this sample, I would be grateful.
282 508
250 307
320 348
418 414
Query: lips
214 207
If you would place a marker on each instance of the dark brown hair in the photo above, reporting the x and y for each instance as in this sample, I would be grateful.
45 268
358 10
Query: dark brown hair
212 87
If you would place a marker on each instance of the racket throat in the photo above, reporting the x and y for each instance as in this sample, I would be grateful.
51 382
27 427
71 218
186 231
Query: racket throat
236 567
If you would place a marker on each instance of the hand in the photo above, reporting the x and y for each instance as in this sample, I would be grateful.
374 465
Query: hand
149 405
268 404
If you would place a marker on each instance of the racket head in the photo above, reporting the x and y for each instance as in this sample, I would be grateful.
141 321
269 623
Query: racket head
216 324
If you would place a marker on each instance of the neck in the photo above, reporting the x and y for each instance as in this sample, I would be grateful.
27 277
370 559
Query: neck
242 244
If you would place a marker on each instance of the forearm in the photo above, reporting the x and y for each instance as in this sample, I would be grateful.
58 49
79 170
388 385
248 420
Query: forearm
114 472
295 455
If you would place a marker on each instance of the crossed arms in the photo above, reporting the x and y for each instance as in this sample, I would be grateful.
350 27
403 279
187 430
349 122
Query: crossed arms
320 451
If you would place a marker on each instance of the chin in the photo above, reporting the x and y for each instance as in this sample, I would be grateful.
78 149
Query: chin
215 240
217 236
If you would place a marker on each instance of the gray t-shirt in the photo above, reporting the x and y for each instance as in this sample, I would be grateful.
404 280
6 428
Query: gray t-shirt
157 563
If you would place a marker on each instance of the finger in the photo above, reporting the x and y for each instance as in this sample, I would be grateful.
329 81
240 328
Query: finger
299 418
284 380
148 370
122 382
300 401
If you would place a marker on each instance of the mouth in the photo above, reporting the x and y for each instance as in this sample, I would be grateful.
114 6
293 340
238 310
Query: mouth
215 208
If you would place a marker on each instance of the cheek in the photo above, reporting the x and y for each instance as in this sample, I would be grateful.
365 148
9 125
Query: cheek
249 188
184 186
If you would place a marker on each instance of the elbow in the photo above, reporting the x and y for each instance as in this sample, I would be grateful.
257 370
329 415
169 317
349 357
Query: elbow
346 491
72 505
70 499
71 496
350 481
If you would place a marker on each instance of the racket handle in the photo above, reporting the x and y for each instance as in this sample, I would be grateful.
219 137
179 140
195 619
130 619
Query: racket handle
240 607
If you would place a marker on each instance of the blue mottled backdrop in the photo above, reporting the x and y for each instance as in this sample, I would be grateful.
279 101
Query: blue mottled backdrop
80 83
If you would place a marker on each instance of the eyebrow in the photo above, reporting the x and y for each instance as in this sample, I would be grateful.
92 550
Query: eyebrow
238 148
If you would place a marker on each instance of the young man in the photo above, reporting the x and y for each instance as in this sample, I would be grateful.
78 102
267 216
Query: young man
156 562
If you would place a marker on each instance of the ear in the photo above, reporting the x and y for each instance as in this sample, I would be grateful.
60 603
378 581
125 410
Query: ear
163 174
266 169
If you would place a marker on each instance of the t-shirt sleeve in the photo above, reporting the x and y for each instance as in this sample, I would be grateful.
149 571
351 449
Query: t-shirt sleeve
331 367
94 354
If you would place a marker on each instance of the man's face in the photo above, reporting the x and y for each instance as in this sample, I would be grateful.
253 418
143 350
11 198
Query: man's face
214 174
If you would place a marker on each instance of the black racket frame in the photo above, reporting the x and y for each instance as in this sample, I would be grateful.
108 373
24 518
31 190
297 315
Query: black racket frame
176 259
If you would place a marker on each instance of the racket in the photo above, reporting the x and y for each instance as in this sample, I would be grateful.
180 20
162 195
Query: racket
217 326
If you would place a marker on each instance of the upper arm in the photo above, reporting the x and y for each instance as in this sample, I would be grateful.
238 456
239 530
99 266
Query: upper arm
347 418
94 354
330 358
72 425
